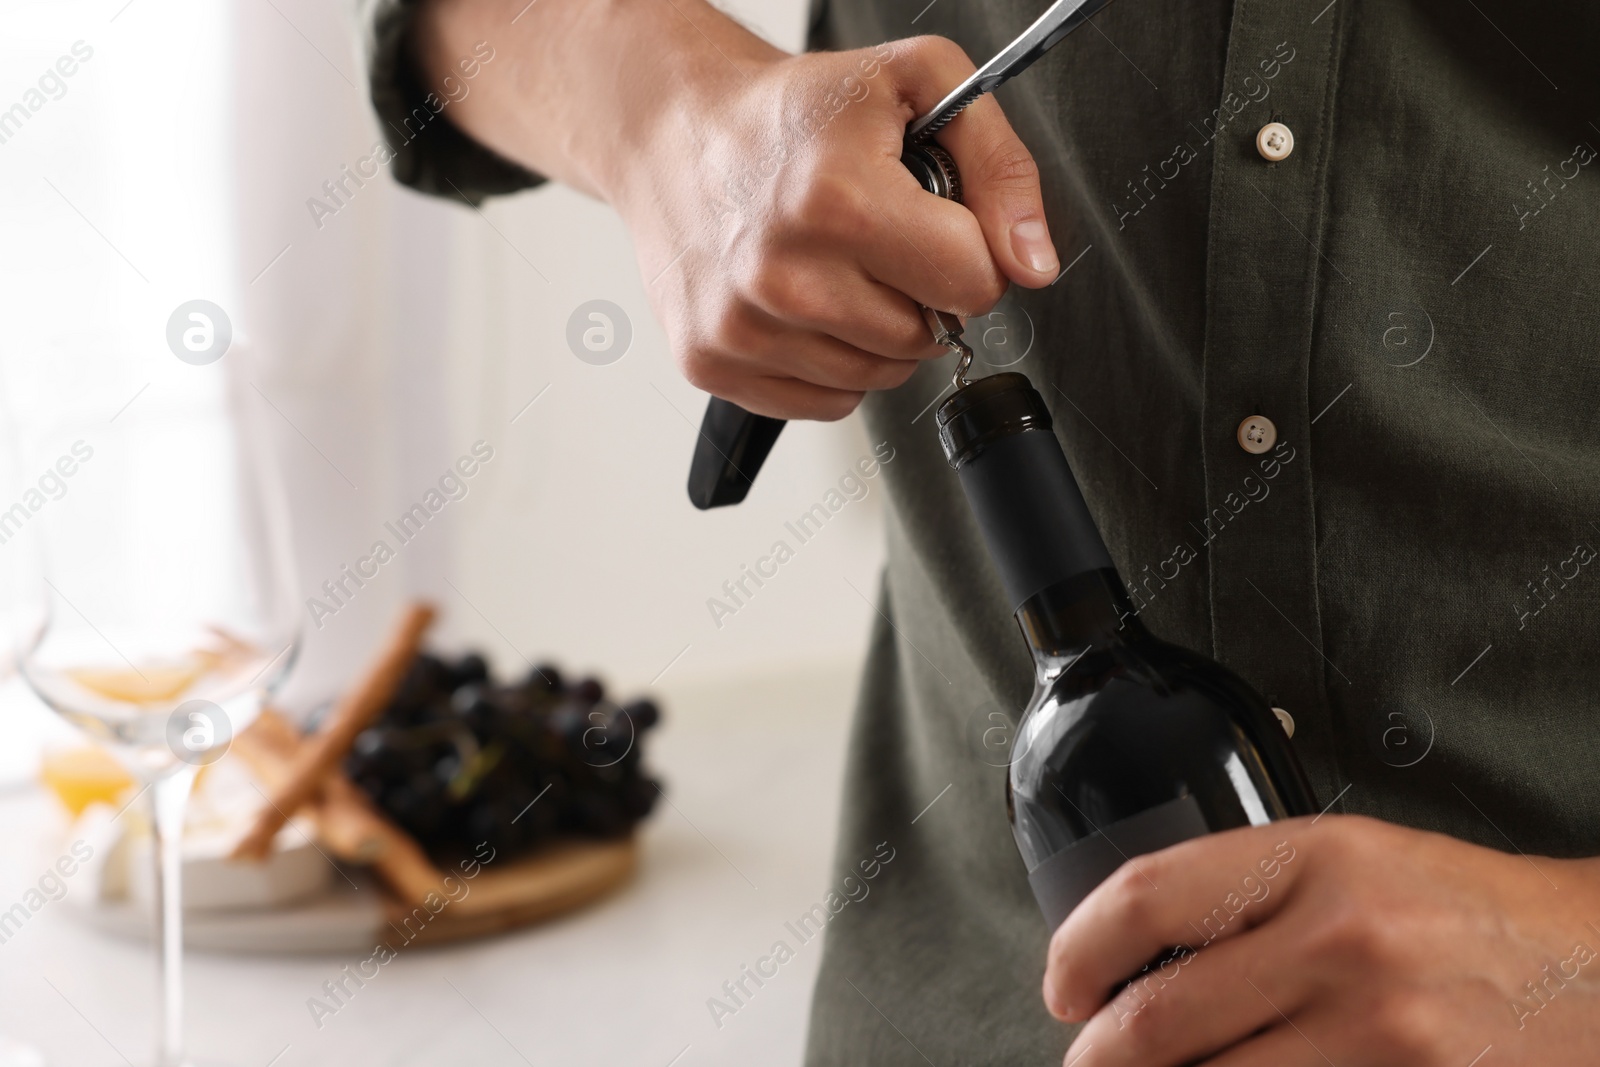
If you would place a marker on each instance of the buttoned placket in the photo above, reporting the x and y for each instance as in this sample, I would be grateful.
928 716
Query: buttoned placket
1264 274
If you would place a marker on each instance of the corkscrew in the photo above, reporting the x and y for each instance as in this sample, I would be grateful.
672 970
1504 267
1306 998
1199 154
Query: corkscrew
948 333
734 443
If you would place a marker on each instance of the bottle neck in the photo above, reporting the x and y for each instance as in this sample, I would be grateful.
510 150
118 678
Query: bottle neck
1032 514
1061 621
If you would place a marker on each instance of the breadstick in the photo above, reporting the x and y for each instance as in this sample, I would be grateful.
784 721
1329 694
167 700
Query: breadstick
322 752
354 829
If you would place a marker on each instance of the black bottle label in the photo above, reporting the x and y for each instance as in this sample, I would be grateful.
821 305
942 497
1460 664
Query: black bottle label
1064 879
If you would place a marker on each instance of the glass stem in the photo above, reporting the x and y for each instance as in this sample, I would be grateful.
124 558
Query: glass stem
169 797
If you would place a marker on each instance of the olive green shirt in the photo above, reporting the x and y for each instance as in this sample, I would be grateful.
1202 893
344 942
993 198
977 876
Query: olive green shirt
1409 298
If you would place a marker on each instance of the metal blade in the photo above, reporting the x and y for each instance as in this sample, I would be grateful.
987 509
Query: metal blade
1058 20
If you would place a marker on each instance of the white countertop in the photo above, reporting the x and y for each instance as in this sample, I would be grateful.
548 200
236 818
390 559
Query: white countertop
752 770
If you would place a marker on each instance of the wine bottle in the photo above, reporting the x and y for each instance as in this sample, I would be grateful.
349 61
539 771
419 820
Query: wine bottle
1129 744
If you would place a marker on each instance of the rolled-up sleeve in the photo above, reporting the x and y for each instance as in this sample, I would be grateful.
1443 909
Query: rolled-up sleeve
431 154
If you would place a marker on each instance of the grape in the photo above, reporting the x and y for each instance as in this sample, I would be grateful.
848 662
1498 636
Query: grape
457 759
471 704
447 768
644 714
471 669
544 678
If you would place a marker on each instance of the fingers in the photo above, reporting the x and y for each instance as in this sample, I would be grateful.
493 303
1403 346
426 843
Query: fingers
1386 1028
1000 185
930 249
1297 1041
808 319
771 368
790 398
857 310
783 351
1194 1006
1195 893
999 178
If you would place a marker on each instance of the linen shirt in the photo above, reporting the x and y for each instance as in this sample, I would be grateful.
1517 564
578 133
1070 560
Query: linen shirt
1410 572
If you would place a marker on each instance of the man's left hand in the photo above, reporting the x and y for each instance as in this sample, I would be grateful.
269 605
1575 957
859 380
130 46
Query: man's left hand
1337 940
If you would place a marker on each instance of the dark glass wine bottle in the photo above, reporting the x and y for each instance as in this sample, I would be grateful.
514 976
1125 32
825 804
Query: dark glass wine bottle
1130 744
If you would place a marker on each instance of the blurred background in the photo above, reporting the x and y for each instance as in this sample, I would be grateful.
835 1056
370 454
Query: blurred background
371 348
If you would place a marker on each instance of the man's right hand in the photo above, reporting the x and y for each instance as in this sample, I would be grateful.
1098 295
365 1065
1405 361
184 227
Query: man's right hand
784 245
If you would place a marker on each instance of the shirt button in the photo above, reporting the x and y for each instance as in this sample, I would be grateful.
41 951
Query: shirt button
1274 141
1285 720
1257 434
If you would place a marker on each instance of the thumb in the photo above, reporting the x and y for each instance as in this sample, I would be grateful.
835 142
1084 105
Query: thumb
999 178
1000 185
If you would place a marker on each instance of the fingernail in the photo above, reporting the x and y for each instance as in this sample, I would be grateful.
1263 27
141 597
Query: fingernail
1052 1002
1031 242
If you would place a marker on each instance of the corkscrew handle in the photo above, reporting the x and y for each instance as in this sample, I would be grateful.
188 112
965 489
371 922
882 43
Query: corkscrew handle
728 454
733 442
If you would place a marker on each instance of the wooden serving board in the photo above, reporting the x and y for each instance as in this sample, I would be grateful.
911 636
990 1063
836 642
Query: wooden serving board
356 918
555 880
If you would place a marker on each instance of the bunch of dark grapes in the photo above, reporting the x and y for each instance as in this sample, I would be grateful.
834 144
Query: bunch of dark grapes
457 759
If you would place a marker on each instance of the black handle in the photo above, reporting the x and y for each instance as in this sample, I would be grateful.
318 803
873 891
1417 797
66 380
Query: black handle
733 442
732 446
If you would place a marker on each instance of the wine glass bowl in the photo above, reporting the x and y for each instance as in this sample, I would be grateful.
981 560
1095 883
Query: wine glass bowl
168 579
158 710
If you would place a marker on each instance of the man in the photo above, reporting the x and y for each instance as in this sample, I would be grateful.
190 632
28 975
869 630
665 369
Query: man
1363 233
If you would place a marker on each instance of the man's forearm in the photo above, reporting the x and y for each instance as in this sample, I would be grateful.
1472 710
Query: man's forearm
578 88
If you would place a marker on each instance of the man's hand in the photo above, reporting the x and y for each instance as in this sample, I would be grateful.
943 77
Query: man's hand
783 245
804 241
1339 940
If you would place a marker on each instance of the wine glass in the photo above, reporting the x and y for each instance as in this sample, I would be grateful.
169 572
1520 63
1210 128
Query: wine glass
171 610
